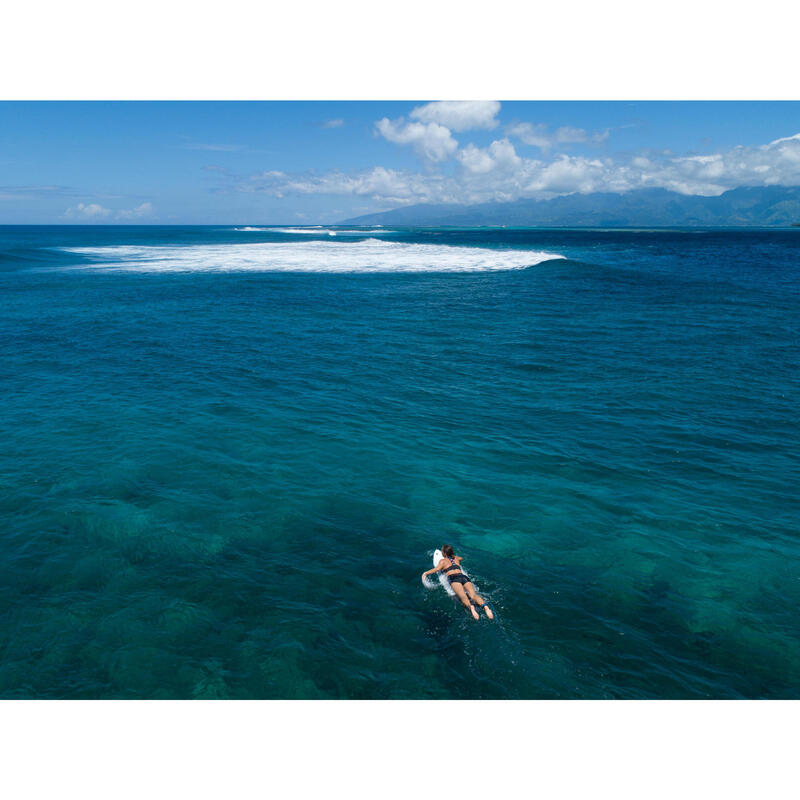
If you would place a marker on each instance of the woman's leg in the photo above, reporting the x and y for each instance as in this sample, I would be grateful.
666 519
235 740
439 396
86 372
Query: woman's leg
476 598
462 596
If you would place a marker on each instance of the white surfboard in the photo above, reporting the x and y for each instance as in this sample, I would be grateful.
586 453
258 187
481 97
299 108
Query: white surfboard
437 557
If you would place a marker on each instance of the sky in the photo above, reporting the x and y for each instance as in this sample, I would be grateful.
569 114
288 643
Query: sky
322 162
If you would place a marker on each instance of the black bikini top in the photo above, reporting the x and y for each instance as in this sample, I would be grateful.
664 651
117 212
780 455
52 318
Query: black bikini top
453 565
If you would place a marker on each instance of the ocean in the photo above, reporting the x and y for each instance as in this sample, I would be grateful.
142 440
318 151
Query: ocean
227 454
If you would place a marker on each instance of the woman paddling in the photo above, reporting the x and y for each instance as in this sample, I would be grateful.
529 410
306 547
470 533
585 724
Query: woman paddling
462 585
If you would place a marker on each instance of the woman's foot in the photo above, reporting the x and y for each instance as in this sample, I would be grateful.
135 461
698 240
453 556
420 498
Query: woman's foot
474 612
489 612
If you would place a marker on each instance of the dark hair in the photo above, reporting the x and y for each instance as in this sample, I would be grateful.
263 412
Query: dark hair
447 550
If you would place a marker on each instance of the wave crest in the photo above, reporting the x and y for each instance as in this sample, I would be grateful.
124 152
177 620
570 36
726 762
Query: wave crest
318 230
370 255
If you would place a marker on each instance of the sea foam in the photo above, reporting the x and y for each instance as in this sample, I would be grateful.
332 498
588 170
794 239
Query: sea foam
370 255
318 230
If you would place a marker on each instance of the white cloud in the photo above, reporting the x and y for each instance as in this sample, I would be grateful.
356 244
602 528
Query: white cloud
97 212
785 139
475 159
542 137
88 211
379 183
527 133
459 115
431 134
567 175
143 210
500 155
333 123
567 135
430 140
498 173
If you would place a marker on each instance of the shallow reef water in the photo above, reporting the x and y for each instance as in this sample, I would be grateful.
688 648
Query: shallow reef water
228 454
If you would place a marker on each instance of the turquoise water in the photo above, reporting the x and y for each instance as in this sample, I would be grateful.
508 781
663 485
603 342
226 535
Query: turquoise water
227 456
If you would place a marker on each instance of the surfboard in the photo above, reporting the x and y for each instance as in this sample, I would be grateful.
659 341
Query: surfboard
437 557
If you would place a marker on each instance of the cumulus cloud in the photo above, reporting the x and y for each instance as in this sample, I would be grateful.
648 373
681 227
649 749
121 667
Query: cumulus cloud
776 163
568 175
143 210
500 155
430 132
476 159
542 137
430 140
498 173
88 211
459 115
94 211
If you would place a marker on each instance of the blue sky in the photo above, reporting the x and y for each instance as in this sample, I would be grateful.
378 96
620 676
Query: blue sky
305 162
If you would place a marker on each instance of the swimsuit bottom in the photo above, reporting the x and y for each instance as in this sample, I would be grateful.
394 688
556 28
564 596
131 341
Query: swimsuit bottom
458 577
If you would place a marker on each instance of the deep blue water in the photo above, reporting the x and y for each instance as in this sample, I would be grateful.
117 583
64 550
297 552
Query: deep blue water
227 455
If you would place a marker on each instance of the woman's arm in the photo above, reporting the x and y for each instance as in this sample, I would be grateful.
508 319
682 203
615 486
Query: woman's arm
434 569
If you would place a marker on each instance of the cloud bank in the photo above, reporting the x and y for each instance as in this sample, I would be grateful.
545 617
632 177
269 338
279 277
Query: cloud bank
455 172
498 173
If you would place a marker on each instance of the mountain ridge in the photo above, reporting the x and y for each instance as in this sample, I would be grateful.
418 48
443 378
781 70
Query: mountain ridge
767 206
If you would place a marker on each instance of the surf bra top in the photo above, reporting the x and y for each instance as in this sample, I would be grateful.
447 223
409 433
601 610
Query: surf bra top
453 565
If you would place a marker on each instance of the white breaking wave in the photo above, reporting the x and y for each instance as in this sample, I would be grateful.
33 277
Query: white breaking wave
371 255
318 230
307 231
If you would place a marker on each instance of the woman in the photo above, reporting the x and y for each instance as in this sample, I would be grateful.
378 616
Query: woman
461 584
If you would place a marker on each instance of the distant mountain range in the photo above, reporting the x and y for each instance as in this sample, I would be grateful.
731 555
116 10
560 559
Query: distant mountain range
758 206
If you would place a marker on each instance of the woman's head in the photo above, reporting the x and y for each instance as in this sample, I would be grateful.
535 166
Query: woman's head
447 551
